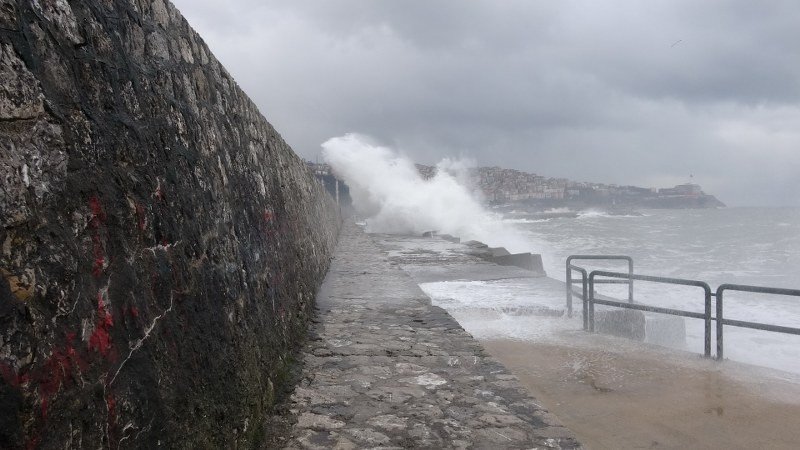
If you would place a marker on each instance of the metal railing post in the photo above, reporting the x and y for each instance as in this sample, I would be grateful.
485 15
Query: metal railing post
720 324
630 280
708 324
591 303
569 289
585 301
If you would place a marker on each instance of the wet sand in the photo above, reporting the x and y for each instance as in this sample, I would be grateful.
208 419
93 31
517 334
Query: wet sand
613 393
616 394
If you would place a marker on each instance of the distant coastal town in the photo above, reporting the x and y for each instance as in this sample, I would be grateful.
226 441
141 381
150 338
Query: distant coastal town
498 186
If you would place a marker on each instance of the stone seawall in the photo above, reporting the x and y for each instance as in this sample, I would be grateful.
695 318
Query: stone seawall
160 243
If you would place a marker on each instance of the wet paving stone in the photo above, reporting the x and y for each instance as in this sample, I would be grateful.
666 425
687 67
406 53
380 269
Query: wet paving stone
386 369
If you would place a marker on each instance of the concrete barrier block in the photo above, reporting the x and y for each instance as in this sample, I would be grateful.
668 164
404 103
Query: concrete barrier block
527 261
627 323
653 328
669 331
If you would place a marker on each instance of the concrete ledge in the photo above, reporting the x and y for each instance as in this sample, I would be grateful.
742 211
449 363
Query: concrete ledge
499 251
527 261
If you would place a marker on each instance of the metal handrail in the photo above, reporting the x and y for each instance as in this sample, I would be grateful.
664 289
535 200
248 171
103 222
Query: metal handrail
584 279
589 301
641 307
722 321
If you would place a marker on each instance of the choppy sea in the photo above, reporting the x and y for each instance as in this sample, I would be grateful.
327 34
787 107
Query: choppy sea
754 246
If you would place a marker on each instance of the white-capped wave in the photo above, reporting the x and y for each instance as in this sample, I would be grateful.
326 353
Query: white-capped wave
525 220
592 214
388 189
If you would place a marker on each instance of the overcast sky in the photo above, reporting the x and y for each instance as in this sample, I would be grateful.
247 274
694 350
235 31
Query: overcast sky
627 92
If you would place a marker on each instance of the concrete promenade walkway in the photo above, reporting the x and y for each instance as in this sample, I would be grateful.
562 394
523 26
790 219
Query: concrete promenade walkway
383 368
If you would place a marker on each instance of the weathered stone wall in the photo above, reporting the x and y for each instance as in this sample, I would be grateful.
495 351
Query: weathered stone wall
160 243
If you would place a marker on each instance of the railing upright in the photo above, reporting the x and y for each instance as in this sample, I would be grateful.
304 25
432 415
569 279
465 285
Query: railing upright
722 321
584 279
584 274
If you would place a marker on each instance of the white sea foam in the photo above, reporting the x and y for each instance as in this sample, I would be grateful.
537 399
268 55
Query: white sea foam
592 214
387 189
525 220
558 210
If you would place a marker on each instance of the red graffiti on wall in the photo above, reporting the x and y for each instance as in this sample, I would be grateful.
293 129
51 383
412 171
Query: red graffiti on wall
99 256
100 339
57 371
141 216
98 215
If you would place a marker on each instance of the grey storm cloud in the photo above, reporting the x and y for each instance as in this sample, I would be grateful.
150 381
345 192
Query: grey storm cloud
625 92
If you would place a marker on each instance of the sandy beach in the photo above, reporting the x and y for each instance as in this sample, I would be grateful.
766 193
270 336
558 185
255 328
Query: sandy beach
617 394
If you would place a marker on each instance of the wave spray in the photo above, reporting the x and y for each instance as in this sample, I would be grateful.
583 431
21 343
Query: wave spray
388 190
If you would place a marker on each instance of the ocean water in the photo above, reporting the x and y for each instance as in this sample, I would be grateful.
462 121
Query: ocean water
735 245
756 246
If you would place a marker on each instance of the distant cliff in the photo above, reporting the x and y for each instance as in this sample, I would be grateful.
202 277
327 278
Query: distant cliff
160 244
497 185
679 202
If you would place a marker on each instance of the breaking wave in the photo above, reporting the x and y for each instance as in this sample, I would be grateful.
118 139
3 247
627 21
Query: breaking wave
389 191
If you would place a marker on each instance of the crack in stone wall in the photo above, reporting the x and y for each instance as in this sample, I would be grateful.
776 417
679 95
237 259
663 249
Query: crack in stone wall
160 244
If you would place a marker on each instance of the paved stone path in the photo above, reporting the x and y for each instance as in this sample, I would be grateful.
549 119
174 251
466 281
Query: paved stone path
384 368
